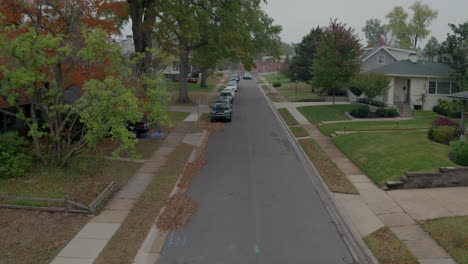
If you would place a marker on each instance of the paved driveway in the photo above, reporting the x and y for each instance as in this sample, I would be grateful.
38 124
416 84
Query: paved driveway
257 203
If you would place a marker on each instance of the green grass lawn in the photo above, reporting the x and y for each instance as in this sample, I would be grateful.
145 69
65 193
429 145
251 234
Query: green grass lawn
388 249
387 156
317 114
177 117
422 122
287 117
424 113
277 78
452 234
299 131
331 175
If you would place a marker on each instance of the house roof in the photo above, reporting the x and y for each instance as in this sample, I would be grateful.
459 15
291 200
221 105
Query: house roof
460 95
385 48
421 68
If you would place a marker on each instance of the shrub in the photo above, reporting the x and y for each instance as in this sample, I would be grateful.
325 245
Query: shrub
276 84
443 134
382 112
15 161
460 152
446 108
361 112
443 121
392 113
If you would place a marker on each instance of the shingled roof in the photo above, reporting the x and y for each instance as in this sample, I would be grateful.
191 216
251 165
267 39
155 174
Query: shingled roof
421 68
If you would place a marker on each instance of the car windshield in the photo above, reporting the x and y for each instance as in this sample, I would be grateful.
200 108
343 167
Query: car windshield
232 83
218 108
225 94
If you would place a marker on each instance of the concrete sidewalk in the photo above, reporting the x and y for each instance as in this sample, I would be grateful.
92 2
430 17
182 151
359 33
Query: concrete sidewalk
375 208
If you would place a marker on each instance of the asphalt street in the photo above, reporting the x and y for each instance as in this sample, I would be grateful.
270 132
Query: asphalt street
257 203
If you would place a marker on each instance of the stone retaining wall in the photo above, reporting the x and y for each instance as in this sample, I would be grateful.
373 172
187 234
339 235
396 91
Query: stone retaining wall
445 177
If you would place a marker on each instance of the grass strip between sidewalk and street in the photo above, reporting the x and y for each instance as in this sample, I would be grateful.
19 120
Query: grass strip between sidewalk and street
452 235
287 117
124 245
331 174
299 131
316 114
388 249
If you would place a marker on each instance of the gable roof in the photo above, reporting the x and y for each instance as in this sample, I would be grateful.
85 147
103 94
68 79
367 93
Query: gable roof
421 68
460 95
386 49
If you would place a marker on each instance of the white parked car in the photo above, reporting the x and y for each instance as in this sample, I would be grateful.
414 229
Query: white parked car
231 90
232 84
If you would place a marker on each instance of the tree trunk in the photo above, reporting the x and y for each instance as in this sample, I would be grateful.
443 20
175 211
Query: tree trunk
334 94
203 78
184 67
143 18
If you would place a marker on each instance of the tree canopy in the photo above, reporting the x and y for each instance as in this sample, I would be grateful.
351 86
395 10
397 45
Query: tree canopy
305 54
371 84
337 57
454 52
72 77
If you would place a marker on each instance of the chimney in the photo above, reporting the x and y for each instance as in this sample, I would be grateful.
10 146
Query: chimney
413 57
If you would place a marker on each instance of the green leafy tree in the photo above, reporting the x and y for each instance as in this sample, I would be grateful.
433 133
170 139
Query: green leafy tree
39 67
454 52
239 27
432 48
305 56
337 57
409 33
286 49
422 18
376 33
371 84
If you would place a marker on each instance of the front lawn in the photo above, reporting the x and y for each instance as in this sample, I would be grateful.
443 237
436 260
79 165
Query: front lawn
424 113
386 156
423 122
335 179
321 113
304 92
388 249
452 234
277 78
299 131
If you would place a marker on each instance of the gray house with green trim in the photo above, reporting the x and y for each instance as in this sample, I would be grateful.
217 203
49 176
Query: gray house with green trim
417 84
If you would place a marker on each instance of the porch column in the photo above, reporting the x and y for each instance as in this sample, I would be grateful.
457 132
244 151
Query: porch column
463 111
390 93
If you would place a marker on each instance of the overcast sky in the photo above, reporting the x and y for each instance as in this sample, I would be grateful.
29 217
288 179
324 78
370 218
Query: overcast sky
298 17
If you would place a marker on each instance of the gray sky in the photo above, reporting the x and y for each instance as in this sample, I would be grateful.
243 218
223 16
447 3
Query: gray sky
298 17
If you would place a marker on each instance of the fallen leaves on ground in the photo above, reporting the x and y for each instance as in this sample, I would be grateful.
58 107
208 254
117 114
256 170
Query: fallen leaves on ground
192 169
179 210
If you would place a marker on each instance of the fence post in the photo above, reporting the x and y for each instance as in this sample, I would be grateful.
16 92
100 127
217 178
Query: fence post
67 204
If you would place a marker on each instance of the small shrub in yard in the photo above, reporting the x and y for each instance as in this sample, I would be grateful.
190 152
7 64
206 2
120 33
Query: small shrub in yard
443 134
361 112
446 108
14 159
460 152
382 112
443 121
276 84
392 113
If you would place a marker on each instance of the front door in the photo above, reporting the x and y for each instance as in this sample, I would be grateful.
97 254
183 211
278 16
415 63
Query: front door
408 89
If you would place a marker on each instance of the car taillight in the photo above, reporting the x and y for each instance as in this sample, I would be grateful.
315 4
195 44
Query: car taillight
142 125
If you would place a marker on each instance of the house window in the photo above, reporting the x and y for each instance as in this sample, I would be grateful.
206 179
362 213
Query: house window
175 66
381 59
442 87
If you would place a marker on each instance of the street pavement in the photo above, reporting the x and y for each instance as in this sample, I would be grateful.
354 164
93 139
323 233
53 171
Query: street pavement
257 203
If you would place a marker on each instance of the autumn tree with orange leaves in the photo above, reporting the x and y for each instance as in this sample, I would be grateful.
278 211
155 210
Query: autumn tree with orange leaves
58 59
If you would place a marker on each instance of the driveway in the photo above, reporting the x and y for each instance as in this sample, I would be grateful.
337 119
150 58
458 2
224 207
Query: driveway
257 204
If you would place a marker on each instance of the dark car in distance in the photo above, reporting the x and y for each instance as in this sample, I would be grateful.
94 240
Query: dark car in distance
139 128
221 111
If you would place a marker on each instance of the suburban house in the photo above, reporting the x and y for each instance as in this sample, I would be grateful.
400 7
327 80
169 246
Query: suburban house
415 83
170 69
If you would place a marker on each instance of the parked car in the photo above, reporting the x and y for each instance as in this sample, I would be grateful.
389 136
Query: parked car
231 90
139 128
234 76
247 76
192 80
232 84
221 111
226 95
223 100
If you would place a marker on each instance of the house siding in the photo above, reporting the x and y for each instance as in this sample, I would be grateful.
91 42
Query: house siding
371 62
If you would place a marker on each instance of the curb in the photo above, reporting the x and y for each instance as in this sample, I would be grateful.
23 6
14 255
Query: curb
344 225
151 247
